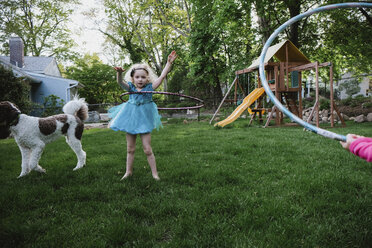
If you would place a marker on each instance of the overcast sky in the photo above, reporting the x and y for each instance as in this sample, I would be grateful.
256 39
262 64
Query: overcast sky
84 29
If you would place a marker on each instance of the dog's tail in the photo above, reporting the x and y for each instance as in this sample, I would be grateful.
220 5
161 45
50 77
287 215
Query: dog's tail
78 107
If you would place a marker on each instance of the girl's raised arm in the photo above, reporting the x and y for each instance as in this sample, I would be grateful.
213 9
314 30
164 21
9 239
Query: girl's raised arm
119 77
165 71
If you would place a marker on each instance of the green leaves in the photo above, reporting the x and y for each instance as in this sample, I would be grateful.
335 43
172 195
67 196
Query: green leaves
98 79
42 25
14 89
219 43
214 38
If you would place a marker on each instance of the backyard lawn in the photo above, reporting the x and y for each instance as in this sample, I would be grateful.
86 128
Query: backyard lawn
233 187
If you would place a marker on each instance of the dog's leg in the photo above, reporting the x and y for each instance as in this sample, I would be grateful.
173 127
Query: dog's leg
35 157
75 145
26 153
38 168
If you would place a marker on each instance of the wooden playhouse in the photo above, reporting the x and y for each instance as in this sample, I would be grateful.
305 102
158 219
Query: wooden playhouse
284 64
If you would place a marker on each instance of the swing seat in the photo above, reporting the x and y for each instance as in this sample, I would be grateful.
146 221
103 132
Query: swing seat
256 110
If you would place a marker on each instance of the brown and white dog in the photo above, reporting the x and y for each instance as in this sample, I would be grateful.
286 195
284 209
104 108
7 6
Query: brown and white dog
33 133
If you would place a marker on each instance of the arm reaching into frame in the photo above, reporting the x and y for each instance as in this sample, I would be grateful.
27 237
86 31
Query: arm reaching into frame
359 145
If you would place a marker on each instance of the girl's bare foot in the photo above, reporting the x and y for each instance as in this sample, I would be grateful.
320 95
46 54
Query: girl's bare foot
126 176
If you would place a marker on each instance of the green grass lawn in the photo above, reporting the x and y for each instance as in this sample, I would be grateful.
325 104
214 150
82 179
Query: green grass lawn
233 187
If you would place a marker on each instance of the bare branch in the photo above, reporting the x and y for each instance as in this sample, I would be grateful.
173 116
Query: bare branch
188 15
368 17
147 52
171 24
154 45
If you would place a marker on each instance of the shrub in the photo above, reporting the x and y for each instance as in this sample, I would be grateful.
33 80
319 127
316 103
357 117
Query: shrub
324 104
15 90
308 102
367 105
359 100
52 105
347 101
185 104
171 105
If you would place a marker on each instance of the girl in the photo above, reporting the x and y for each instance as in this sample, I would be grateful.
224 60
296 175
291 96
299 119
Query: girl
359 145
140 114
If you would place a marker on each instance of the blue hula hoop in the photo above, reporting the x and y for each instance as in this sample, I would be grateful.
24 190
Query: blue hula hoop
308 126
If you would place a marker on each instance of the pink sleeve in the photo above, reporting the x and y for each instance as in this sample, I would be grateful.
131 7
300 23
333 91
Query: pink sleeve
362 147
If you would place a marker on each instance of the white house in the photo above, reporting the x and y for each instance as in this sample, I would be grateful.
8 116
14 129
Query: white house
365 84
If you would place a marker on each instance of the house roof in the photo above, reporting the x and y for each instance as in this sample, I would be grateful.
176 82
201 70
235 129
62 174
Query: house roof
18 71
37 64
34 64
279 52
54 78
36 76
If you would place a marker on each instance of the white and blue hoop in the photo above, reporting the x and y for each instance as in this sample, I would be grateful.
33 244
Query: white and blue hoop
320 131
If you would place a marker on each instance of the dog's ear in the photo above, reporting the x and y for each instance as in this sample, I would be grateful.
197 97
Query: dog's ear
3 113
8 112
4 132
4 128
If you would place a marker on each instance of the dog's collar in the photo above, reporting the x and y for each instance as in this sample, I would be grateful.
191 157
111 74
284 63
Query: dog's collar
15 121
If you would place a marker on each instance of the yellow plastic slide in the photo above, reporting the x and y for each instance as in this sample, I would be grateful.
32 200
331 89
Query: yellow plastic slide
248 101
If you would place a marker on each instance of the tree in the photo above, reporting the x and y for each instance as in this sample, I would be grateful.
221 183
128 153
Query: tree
215 38
340 36
221 42
175 14
346 40
40 24
123 24
204 46
212 43
144 31
98 79
14 89
272 14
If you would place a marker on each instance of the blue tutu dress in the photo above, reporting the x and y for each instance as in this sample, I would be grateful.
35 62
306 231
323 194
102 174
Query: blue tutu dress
138 115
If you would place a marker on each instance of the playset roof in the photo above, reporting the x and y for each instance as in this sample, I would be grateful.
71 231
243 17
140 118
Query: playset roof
279 52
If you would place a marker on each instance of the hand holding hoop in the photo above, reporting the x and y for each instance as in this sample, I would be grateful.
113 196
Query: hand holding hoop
349 139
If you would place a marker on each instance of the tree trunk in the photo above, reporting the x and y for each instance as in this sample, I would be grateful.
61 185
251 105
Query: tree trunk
294 8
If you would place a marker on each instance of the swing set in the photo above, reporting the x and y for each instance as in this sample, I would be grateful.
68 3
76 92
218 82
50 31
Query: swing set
283 67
